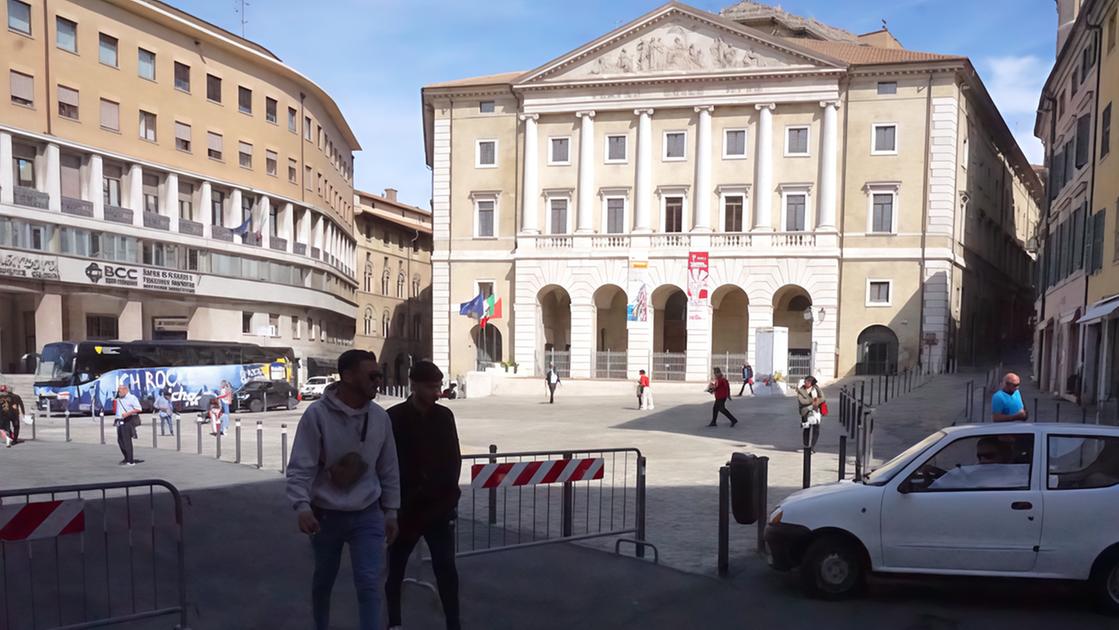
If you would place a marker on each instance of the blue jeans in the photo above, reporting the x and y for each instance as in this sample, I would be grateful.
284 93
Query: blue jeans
365 532
165 423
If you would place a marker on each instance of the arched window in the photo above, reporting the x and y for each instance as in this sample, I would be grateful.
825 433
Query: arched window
368 278
385 282
400 286
417 327
416 285
368 321
385 324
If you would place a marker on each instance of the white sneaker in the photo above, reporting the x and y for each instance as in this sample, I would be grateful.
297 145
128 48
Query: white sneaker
8 441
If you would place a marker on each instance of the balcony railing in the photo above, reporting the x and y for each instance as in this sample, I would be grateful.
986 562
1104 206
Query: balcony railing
187 226
555 241
671 240
79 207
117 214
731 239
316 253
251 239
610 241
299 248
24 196
716 240
222 233
156 221
794 239
278 244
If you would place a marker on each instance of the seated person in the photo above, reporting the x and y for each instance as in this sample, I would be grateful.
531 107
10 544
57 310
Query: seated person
995 469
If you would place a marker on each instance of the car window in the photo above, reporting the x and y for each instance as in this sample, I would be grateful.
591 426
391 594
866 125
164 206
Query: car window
1078 462
984 462
886 472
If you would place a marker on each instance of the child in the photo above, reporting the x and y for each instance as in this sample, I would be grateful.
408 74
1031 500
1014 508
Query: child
215 414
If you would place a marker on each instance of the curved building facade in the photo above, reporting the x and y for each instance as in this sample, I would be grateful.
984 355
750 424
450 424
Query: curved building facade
161 177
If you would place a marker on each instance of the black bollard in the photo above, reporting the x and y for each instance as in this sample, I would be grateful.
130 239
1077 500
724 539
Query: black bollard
283 449
155 432
842 456
493 492
237 441
806 476
199 425
217 436
102 426
178 433
724 521
259 444
67 424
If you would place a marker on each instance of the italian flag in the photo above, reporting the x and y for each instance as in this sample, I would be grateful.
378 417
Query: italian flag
491 310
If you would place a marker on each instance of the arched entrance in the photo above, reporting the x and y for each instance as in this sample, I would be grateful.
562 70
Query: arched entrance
670 333
730 337
792 308
611 336
554 342
878 351
487 344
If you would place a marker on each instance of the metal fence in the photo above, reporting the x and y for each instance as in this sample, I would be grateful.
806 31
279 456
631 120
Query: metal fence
729 362
89 555
800 366
611 364
669 366
559 358
525 499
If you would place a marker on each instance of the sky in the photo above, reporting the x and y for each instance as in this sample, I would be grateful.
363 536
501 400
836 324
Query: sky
373 56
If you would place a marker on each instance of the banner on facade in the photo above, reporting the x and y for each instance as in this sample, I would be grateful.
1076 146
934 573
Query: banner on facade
127 276
637 308
31 266
698 274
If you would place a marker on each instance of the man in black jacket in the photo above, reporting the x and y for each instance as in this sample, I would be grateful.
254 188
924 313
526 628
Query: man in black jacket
430 462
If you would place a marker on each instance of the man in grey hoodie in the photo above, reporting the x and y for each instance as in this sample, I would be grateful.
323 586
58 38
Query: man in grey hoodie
344 484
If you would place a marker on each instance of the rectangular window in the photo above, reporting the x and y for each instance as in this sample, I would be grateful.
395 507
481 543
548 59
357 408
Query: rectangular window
245 154
796 141
882 213
246 322
217 208
558 209
182 136
307 128
273 218
292 119
1083 139
308 177
673 215
485 217
615 215
1070 155
23 161
616 149
733 206
486 107
1098 224
151 193
887 87
186 201
560 152
100 327
885 139
145 64
107 50
214 145
67 102
734 143
1078 462
110 184
182 77
65 34
270 159
1105 131
19 16
147 126
878 292
244 100
675 145
270 109
486 156
1111 31
213 88
22 89
293 171
795 212
71 175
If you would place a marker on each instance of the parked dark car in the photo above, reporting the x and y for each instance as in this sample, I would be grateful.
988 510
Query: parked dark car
253 395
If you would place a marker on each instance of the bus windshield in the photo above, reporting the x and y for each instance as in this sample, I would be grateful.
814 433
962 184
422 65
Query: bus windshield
56 364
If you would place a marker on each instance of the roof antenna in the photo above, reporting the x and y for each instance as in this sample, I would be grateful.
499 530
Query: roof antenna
239 8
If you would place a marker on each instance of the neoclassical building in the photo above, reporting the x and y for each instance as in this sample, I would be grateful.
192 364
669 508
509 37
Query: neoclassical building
653 198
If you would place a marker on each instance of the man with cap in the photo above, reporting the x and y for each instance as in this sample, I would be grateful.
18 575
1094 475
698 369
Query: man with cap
11 410
430 462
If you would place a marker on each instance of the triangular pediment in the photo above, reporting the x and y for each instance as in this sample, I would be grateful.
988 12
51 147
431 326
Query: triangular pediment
677 40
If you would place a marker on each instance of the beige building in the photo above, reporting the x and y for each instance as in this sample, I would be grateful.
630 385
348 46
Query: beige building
394 292
658 195
163 178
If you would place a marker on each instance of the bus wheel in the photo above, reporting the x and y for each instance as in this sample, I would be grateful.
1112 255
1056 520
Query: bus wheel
256 405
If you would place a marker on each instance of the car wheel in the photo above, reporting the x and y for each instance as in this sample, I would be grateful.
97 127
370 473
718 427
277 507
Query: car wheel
256 405
1105 582
292 403
832 568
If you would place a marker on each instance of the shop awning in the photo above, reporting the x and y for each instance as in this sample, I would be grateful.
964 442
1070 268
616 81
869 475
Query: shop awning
1100 310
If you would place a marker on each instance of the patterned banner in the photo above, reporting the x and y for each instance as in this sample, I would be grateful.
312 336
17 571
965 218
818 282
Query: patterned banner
697 285
637 308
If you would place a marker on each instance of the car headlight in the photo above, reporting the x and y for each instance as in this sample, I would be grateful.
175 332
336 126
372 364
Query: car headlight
775 517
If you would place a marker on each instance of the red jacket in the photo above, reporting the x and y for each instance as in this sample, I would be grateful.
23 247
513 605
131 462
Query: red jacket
643 380
722 388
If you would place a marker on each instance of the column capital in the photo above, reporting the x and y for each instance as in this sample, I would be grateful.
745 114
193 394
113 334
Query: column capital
769 106
704 108
645 111
589 113
528 116
834 104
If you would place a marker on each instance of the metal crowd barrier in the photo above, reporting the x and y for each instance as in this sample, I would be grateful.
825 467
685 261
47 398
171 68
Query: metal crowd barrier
857 419
525 499
90 555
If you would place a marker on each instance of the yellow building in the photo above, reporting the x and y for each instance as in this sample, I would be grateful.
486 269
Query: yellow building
394 292
652 199
164 178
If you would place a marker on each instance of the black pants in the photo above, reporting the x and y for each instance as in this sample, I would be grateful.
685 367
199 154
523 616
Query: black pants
746 384
811 436
14 429
552 393
440 538
720 406
124 440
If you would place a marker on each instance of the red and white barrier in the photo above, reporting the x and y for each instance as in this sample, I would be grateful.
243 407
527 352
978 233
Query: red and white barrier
44 519
533 473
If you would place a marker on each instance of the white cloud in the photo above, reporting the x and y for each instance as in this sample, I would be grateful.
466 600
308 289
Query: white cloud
1015 82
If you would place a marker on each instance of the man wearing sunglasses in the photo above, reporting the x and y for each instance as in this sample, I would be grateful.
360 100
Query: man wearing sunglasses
344 484
1006 404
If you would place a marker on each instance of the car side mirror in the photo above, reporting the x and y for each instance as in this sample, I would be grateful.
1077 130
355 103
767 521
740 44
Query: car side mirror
905 487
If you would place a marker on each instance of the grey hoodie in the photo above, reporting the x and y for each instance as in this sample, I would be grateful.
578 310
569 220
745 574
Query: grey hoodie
328 430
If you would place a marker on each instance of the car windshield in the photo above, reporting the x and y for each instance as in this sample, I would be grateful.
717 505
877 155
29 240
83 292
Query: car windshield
254 385
56 364
884 473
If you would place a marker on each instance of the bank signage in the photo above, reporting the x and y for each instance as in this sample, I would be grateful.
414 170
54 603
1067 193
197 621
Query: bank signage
114 275
30 266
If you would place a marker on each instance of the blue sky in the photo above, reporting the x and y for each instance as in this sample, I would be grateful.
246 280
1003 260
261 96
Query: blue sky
373 56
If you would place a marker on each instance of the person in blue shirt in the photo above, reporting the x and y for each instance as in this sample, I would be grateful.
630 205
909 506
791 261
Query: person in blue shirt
126 409
1006 404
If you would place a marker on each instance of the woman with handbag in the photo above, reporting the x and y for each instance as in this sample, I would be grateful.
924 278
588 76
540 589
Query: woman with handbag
813 407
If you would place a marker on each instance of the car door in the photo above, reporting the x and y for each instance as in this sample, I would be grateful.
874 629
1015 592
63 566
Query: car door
973 505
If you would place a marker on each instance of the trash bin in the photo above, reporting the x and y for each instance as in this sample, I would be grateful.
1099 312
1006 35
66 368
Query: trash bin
744 474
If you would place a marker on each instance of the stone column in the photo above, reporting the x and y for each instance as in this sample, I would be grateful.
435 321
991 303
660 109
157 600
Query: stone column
171 200
265 222
7 176
287 216
582 339
317 234
305 229
95 193
48 319
233 217
205 200
763 170
136 194
702 196
828 161
530 196
643 182
52 179
585 211
130 325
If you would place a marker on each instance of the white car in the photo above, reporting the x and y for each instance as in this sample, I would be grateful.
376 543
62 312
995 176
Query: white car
1007 500
314 386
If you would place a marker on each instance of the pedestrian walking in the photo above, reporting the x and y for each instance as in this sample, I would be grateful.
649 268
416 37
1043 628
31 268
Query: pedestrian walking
809 401
215 415
343 482
552 380
747 379
11 412
126 417
225 395
162 406
644 391
720 386
427 447
1006 403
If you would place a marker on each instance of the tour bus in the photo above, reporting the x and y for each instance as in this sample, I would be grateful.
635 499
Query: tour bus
83 376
